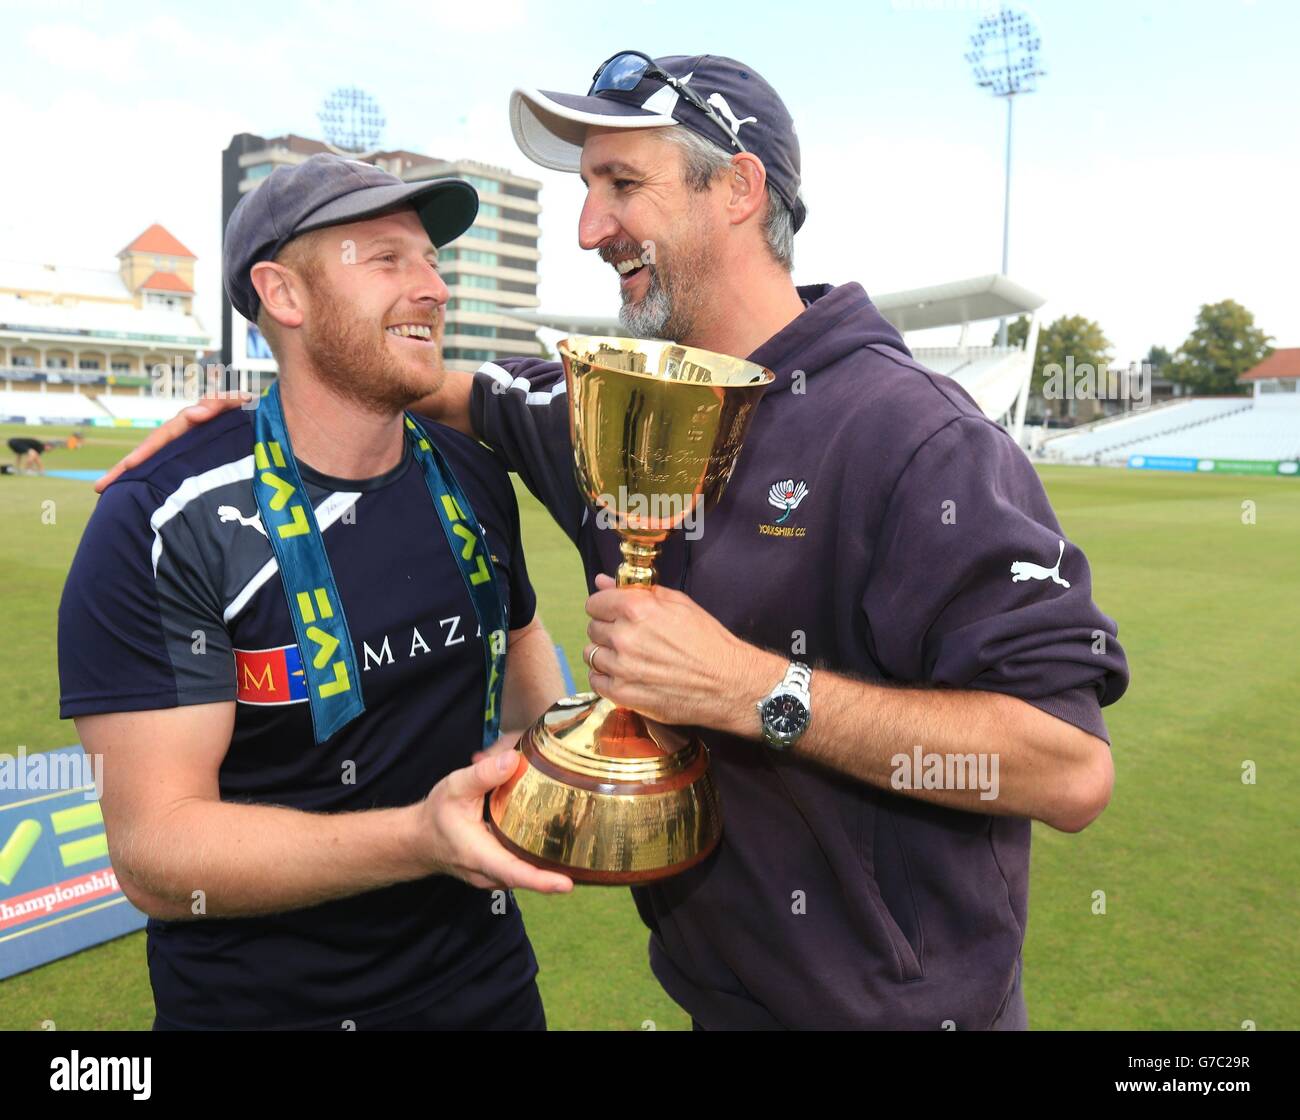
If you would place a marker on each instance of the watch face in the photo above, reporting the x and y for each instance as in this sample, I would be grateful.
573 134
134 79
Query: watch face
785 715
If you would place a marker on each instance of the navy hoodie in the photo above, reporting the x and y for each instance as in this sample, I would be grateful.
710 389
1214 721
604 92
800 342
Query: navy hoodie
923 550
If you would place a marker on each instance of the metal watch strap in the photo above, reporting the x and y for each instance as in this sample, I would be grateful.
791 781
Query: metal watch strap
797 680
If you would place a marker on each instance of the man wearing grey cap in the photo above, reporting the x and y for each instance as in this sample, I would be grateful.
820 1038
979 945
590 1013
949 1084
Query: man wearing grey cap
888 698
287 638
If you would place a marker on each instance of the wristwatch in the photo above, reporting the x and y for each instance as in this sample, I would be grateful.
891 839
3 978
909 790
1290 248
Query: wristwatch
786 711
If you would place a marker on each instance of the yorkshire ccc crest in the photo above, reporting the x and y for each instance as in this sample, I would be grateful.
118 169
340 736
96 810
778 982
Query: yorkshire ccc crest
786 496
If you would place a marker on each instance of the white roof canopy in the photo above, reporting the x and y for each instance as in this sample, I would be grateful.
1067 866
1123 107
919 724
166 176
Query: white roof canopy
99 324
961 301
941 305
572 323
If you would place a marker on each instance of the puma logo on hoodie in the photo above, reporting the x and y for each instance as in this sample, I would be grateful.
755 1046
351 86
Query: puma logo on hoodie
1022 570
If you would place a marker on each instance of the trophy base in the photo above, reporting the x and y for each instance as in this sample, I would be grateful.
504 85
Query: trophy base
606 796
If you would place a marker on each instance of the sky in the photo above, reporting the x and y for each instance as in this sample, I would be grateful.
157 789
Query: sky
1155 169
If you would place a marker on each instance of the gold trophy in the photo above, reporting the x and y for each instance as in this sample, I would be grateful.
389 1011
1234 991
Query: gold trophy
603 794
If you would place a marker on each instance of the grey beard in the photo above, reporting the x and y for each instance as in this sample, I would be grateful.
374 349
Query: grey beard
652 315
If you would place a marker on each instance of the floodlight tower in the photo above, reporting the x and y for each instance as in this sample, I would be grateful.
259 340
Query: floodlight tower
1004 60
352 121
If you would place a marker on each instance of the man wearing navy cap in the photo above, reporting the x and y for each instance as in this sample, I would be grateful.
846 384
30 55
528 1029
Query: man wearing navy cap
853 598
889 645
287 637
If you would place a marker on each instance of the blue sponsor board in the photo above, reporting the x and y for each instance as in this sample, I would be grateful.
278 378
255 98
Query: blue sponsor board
1214 466
1162 463
119 422
58 893
79 475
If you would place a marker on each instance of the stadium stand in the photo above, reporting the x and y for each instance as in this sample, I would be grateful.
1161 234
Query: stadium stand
97 322
1211 427
25 407
93 407
993 375
1253 433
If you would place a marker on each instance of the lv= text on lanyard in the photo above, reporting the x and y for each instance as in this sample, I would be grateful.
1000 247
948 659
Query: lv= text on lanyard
324 643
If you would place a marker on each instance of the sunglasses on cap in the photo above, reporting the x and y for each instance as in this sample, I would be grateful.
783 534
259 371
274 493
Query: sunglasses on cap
625 70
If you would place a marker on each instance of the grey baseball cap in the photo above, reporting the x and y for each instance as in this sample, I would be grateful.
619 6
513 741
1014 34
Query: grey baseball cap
329 190
550 127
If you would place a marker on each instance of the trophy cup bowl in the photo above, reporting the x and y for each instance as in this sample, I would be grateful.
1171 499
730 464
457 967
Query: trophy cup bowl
603 794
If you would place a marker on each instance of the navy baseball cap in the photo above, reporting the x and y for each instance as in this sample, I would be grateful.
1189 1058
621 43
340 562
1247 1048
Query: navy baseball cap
328 190
550 127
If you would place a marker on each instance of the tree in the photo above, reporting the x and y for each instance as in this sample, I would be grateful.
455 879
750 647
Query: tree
1223 345
1017 332
1069 336
1073 343
1158 358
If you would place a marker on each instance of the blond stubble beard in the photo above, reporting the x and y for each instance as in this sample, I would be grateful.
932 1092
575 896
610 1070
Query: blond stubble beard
357 365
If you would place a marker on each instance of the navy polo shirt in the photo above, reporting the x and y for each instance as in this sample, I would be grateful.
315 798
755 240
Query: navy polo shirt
175 598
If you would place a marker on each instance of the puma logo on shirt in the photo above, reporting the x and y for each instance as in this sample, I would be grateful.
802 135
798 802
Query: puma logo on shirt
230 513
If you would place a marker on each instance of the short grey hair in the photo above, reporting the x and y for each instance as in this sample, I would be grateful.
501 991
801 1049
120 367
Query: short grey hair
703 161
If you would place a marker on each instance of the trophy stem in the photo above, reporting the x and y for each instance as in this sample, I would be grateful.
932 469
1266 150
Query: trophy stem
638 567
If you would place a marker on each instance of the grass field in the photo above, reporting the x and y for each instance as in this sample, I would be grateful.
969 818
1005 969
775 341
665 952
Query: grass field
1201 872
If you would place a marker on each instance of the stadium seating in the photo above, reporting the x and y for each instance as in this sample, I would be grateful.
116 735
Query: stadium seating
1258 433
943 360
1205 427
1133 434
57 407
22 407
992 375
